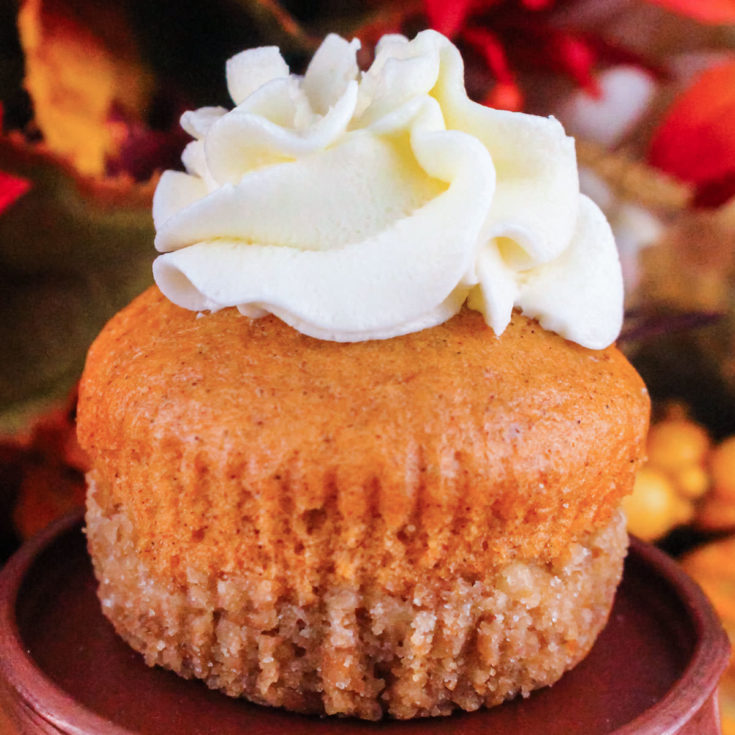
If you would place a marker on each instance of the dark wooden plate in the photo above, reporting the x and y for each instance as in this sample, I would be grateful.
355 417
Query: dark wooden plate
654 669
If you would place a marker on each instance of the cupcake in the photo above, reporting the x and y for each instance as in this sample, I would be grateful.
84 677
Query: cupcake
362 448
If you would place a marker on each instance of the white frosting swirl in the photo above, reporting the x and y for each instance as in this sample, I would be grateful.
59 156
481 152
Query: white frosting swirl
366 205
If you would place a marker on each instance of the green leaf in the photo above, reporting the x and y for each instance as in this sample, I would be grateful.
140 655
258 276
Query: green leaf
72 252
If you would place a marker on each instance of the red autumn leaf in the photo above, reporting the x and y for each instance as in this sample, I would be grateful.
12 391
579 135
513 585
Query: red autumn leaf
537 4
696 141
706 11
489 46
715 193
575 56
11 189
505 96
447 16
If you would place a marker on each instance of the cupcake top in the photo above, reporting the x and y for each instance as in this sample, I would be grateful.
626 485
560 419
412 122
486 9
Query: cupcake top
487 448
365 205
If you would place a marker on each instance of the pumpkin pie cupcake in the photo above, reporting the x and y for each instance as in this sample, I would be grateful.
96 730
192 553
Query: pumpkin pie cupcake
361 451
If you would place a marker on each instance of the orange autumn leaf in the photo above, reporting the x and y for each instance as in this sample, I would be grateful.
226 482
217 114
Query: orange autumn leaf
696 141
705 11
48 492
81 65
52 467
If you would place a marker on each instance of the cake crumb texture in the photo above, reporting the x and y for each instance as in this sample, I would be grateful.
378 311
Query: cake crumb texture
441 645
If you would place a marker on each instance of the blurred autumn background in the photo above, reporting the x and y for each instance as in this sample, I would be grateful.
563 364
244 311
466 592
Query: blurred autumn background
90 97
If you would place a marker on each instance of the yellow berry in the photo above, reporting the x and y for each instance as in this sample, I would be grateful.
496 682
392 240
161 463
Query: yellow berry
691 481
676 443
683 511
652 508
722 467
715 514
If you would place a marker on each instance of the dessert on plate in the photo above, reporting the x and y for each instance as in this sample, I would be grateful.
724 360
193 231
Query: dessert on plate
361 450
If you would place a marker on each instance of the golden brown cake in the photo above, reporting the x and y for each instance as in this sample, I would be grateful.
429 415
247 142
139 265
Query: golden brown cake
402 526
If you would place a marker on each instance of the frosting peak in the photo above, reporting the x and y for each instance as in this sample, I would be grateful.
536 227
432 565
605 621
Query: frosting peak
366 205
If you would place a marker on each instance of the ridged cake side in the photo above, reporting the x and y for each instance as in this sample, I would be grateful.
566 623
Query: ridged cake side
238 444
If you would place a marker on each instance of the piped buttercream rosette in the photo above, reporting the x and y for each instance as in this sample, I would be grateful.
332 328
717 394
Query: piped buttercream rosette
367 205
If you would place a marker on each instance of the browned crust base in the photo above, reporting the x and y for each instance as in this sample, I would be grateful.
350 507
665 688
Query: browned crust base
450 643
